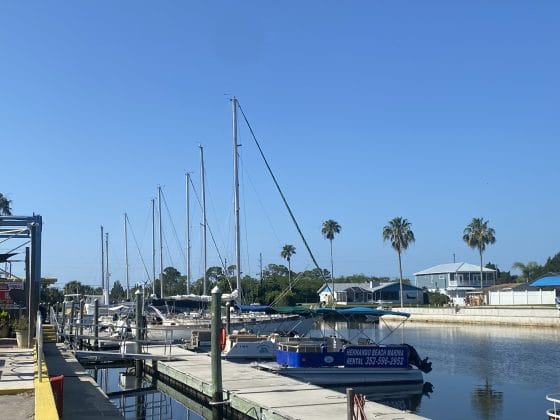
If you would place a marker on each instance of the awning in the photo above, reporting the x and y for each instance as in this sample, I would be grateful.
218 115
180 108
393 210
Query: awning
548 280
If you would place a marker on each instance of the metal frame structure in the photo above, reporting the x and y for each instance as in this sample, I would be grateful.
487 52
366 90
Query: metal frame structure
27 227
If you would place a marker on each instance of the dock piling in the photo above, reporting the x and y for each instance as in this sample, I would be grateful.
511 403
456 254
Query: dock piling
216 350
349 403
228 318
96 324
138 316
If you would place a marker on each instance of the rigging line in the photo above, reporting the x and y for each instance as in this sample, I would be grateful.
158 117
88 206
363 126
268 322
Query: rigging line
209 192
138 249
169 256
209 229
260 202
19 246
281 193
286 291
173 225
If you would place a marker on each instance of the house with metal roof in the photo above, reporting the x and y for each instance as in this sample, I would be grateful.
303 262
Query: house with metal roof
371 293
455 279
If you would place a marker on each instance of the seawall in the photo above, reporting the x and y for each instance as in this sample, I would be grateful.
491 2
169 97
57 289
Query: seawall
518 316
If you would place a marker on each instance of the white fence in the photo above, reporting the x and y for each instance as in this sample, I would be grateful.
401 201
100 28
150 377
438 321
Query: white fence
533 297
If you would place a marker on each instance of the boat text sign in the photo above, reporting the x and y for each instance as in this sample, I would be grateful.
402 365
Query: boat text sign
376 356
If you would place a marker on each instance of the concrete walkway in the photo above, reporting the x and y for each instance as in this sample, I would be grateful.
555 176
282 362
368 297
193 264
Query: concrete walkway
16 381
83 398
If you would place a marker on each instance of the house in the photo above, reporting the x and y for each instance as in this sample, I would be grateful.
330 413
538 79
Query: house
371 293
455 279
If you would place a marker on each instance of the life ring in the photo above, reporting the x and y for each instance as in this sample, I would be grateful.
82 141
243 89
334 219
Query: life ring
222 338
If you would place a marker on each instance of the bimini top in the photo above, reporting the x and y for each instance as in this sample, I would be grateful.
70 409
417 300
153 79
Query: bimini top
252 308
551 279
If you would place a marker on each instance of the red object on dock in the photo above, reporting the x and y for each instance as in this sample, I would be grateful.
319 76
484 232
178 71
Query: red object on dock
57 385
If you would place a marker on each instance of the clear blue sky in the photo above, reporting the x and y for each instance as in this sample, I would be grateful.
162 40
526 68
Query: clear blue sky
435 111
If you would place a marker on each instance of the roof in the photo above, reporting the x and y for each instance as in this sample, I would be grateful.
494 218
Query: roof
460 267
343 286
551 279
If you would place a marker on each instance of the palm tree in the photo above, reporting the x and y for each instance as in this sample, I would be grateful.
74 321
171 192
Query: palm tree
287 252
398 232
5 209
329 229
529 271
477 235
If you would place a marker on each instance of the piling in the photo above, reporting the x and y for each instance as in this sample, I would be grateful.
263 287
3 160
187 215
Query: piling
71 319
349 403
216 351
81 330
228 315
96 324
63 306
138 347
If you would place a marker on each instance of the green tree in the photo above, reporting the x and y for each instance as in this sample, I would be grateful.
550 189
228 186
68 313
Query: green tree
399 233
287 252
5 209
117 292
530 271
329 230
477 235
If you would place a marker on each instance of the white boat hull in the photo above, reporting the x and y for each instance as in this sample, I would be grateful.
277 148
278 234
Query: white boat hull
348 376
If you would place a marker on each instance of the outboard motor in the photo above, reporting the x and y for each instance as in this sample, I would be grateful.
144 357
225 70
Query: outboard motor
414 359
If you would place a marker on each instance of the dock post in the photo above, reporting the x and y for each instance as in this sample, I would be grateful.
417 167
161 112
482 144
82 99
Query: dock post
228 318
216 350
81 330
349 403
138 347
63 305
71 320
95 324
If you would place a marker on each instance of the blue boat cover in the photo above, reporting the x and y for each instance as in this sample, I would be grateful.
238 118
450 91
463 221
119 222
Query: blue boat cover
252 308
549 280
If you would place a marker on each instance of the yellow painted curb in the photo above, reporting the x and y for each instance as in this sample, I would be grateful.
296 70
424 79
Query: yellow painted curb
45 407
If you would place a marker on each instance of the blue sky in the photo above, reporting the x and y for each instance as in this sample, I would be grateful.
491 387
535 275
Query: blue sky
434 111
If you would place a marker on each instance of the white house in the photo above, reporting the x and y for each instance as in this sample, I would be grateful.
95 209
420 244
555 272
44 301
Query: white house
455 279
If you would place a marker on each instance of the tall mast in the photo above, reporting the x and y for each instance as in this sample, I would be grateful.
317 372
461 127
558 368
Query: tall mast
236 197
188 228
106 301
160 244
203 188
126 256
107 262
153 246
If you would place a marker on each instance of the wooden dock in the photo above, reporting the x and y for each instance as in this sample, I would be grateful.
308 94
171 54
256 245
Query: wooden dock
260 394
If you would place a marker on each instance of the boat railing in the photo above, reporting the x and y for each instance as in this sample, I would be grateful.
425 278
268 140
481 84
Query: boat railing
554 412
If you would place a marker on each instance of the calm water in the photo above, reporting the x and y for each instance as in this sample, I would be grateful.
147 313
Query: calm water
479 372
146 405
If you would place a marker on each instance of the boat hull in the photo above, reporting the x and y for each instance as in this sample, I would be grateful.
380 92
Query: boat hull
349 376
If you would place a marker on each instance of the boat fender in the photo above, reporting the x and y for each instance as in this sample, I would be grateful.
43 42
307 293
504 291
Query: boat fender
222 338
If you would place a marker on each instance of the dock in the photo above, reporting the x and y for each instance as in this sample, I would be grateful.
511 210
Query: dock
253 393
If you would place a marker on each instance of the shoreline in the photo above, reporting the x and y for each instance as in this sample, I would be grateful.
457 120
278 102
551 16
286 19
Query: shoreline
510 316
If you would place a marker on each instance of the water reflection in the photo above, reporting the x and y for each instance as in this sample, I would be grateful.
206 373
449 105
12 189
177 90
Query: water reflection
137 398
406 397
486 401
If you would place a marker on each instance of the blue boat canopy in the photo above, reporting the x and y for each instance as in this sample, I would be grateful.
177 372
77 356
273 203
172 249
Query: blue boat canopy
359 311
551 279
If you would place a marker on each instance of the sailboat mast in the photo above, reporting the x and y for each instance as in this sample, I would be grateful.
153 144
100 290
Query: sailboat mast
203 188
126 256
103 268
160 245
153 246
236 196
107 261
188 228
